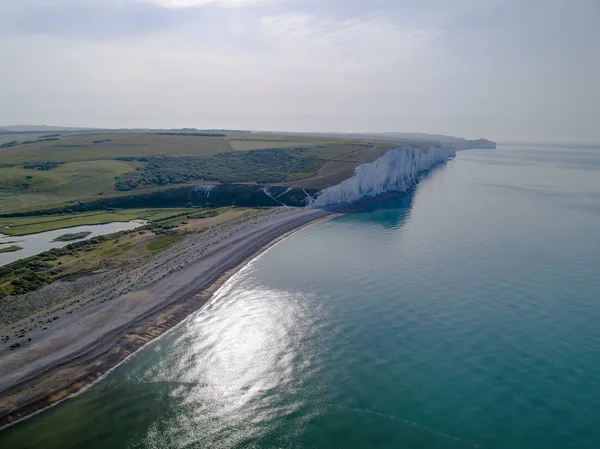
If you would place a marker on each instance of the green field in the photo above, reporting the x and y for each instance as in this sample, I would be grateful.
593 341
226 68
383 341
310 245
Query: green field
82 147
243 142
22 136
22 188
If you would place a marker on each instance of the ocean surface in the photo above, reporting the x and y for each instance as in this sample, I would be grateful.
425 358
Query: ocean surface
465 314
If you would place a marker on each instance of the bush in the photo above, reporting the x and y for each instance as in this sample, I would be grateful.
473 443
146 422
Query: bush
262 166
34 272
30 282
42 166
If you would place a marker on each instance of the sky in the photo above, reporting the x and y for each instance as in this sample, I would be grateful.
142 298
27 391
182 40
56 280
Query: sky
521 70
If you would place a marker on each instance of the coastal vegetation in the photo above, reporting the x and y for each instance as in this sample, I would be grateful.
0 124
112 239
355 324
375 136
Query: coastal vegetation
163 242
71 236
260 166
10 249
167 228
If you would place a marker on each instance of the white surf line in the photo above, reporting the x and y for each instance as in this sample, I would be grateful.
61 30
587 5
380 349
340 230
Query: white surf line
410 423
266 191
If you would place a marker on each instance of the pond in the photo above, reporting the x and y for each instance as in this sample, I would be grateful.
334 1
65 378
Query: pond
38 243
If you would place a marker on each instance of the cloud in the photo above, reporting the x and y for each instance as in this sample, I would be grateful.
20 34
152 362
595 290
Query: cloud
500 68
177 4
361 44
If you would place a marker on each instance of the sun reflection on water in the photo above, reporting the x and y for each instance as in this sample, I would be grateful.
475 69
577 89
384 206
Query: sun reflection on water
235 358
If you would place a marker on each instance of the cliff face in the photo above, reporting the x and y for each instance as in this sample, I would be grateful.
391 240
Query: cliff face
396 170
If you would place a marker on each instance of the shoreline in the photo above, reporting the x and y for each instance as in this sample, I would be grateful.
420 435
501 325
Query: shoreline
65 377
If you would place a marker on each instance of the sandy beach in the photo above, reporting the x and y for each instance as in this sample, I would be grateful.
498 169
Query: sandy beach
88 327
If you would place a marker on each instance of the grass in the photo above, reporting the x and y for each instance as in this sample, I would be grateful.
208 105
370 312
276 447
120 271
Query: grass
11 249
81 147
244 145
342 161
337 151
33 225
9 137
89 169
243 142
72 236
22 188
20 180
163 243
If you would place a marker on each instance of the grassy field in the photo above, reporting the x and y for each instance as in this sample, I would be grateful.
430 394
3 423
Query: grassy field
81 147
163 242
22 188
341 161
9 137
243 142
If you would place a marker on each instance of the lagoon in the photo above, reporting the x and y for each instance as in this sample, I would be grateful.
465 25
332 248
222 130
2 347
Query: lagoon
34 244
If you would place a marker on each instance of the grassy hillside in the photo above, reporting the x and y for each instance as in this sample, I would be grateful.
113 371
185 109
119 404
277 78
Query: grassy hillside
46 171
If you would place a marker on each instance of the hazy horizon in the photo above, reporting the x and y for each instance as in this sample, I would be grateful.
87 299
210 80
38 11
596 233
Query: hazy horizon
593 143
502 70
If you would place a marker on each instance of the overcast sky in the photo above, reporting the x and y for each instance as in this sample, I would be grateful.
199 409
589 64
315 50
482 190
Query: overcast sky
501 69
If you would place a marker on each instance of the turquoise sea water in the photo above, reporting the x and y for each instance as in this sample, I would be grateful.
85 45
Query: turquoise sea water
464 314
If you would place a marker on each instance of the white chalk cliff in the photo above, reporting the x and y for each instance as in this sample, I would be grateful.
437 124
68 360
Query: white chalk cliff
397 170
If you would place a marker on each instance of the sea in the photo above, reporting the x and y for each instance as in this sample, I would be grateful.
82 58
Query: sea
462 314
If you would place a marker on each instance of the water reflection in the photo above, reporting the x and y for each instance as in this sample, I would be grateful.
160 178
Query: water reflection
390 214
231 362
